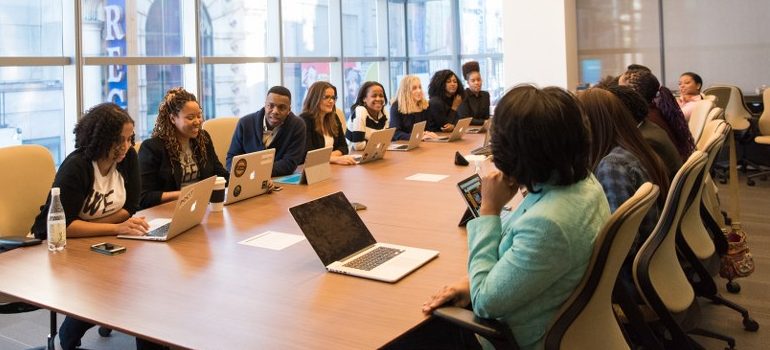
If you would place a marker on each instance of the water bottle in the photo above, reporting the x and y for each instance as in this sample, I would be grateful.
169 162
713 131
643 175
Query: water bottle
57 224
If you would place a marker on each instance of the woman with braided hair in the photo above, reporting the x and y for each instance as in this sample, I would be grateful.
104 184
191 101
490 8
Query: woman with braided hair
179 152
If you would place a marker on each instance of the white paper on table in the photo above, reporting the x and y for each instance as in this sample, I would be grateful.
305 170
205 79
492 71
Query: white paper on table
427 177
272 240
155 223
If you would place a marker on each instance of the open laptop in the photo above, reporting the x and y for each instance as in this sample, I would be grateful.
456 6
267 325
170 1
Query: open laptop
418 129
376 146
344 244
189 211
249 175
315 169
457 133
485 149
483 128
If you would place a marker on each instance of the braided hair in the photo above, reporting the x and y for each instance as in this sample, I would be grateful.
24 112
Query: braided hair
165 129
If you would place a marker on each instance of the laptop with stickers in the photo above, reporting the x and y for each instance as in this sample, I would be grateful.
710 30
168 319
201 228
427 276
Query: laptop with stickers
249 175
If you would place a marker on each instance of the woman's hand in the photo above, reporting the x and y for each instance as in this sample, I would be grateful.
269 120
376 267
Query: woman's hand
135 226
342 160
496 191
448 127
429 135
456 102
457 294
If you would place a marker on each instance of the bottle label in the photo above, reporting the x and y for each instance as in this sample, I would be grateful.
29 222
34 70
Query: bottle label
57 234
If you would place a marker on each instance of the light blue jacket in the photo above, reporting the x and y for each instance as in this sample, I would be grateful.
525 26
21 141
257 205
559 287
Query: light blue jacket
524 267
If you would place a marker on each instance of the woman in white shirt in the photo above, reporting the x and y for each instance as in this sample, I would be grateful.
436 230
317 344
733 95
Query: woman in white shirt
367 114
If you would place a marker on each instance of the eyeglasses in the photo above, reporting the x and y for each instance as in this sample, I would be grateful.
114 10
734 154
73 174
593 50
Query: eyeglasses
330 97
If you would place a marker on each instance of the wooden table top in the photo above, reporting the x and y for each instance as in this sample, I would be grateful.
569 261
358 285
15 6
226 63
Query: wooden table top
203 290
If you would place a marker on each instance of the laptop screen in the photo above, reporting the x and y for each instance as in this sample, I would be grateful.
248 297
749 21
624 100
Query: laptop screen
332 227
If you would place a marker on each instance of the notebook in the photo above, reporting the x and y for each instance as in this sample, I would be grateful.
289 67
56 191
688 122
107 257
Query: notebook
315 169
189 211
344 244
456 134
418 129
376 146
249 175
483 128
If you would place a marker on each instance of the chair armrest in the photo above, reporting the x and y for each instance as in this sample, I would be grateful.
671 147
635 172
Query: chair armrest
493 330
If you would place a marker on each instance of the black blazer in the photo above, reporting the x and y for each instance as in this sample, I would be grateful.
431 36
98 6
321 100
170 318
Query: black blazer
315 140
160 175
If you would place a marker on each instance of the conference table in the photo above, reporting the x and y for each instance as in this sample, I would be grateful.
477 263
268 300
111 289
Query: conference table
204 290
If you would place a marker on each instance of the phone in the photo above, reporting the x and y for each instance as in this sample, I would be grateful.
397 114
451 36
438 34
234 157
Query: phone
277 188
357 206
108 248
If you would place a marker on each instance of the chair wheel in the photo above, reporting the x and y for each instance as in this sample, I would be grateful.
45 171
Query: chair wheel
104 331
751 182
733 287
750 325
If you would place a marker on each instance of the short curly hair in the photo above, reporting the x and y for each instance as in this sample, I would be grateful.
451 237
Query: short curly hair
540 136
437 86
99 130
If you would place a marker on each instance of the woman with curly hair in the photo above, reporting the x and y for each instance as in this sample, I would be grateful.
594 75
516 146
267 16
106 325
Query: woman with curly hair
179 152
445 92
323 127
99 184
663 108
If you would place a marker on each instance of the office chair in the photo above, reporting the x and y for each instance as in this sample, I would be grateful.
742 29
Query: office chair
698 118
764 135
657 272
32 166
587 315
221 130
341 118
730 99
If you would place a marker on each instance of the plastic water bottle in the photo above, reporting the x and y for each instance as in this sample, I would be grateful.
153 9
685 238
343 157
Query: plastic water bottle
57 224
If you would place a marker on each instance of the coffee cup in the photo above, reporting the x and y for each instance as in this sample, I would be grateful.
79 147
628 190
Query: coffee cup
217 201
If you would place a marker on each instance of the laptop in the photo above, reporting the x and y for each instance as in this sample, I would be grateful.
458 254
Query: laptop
418 129
189 211
456 134
376 146
483 128
344 244
315 169
250 175
485 149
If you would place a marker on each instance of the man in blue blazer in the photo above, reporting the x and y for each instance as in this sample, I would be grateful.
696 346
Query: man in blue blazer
273 126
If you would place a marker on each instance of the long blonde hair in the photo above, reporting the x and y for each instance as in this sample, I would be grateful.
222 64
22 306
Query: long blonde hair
165 129
406 104
326 122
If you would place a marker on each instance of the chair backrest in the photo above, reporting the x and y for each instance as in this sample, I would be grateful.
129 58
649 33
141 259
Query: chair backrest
711 98
735 109
657 273
343 121
28 172
221 131
698 117
720 93
716 113
764 118
588 313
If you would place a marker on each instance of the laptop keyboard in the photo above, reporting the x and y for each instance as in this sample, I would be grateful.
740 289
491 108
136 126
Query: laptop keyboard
161 231
373 258
399 146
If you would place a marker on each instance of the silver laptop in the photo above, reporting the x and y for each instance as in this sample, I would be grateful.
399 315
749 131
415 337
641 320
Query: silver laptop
457 133
315 169
376 146
485 149
249 175
418 129
345 245
189 211
483 128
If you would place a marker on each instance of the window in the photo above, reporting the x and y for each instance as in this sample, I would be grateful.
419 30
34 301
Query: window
481 23
306 28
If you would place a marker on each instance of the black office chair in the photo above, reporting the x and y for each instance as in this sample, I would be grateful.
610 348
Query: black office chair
762 140
586 320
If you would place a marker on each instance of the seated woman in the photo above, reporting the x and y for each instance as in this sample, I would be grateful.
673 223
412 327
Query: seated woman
445 92
663 109
179 152
367 114
409 108
523 267
99 184
476 102
321 123
689 92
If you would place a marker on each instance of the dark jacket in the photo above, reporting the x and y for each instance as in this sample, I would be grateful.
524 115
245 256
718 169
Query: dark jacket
289 142
75 179
440 113
315 140
403 123
476 106
160 175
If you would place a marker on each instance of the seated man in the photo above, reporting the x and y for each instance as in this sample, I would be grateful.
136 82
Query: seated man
273 126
